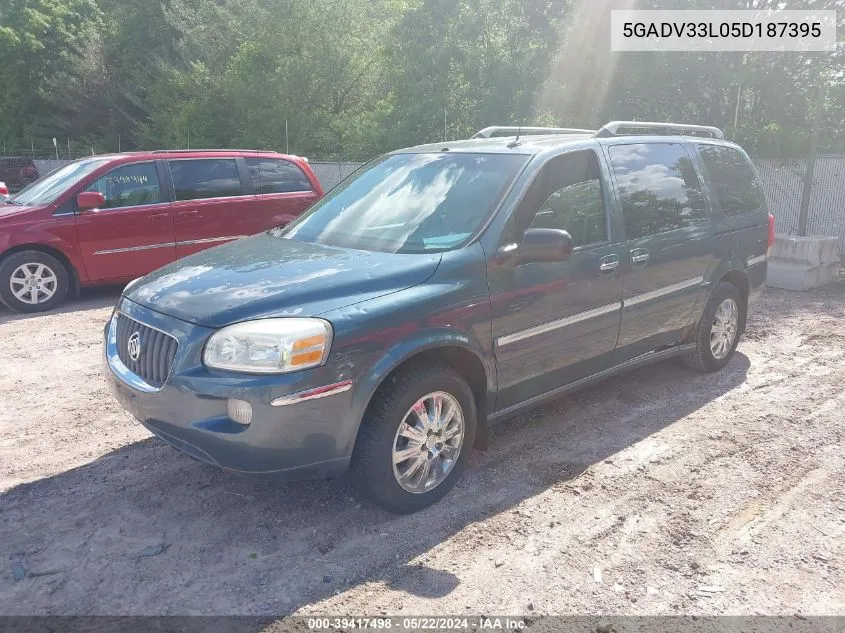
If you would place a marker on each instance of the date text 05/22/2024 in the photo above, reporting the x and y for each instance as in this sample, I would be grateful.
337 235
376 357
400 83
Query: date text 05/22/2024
419 623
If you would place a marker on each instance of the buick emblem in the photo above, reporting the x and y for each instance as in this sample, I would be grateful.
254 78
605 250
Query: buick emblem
133 346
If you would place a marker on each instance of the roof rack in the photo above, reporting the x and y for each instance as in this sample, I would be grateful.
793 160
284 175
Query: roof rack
515 130
628 128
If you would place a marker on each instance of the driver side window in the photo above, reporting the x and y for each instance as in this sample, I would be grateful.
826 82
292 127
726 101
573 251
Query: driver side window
567 195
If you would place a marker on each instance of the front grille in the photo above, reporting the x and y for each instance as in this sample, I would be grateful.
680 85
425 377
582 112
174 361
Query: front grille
157 350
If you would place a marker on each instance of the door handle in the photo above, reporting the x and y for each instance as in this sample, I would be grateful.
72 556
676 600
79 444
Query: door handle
609 263
188 216
158 216
639 256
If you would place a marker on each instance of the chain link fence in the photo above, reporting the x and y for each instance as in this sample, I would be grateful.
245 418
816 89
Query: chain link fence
783 182
16 172
21 166
44 150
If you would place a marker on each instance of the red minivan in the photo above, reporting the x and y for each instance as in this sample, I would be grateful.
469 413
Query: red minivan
110 219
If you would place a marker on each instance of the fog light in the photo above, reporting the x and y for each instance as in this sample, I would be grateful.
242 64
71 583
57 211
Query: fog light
240 411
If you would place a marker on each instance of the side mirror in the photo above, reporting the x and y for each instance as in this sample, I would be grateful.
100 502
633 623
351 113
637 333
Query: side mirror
90 200
545 245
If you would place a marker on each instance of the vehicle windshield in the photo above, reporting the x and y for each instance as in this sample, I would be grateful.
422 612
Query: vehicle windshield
409 203
45 190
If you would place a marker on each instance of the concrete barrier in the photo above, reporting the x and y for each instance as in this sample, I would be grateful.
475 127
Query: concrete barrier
801 263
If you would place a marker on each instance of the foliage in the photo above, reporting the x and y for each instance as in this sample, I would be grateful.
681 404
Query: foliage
43 45
353 78
777 92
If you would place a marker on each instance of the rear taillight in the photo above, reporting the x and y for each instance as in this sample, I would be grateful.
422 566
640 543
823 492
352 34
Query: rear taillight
771 231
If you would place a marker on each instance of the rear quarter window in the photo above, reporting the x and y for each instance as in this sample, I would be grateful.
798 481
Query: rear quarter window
733 180
275 175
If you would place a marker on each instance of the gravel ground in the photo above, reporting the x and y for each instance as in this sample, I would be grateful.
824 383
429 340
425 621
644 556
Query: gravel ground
660 492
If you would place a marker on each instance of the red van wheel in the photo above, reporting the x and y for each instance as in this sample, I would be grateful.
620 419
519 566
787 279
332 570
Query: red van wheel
33 281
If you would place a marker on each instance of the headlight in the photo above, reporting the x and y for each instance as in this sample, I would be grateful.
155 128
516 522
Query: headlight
269 346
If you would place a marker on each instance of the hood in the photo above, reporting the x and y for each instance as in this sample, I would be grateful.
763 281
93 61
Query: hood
7 210
265 276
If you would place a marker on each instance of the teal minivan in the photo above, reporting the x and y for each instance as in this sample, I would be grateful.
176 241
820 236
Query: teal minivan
437 290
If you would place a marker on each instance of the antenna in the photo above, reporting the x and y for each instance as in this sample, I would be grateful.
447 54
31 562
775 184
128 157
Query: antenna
515 141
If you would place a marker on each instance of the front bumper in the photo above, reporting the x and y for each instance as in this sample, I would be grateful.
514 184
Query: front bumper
304 439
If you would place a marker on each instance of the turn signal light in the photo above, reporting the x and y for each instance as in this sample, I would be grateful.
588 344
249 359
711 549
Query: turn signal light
308 351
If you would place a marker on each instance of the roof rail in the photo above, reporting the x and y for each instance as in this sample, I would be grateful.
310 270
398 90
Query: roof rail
627 128
191 151
514 130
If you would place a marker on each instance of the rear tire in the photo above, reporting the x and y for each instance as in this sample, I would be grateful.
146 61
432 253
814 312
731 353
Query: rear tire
717 333
33 281
405 419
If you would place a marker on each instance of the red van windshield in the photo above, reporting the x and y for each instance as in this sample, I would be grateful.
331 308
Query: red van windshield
45 190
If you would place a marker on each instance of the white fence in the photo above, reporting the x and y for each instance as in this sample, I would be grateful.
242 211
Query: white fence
783 181
329 174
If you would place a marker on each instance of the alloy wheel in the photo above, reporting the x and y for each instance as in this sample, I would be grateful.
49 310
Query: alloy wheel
33 283
724 329
428 442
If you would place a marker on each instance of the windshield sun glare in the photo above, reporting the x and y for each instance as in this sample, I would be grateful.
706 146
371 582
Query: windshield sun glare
410 203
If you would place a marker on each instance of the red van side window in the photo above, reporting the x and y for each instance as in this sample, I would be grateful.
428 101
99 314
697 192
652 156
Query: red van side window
274 175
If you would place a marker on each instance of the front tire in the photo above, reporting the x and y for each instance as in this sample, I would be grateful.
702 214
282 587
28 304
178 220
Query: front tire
415 439
717 333
33 281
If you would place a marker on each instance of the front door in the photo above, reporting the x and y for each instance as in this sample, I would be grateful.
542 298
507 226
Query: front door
669 245
212 204
133 233
554 323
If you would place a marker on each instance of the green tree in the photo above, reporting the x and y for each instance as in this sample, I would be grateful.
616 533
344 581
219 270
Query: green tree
316 66
776 92
353 78
471 62
43 45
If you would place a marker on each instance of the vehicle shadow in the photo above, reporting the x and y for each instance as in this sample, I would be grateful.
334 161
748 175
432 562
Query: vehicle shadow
88 299
143 530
